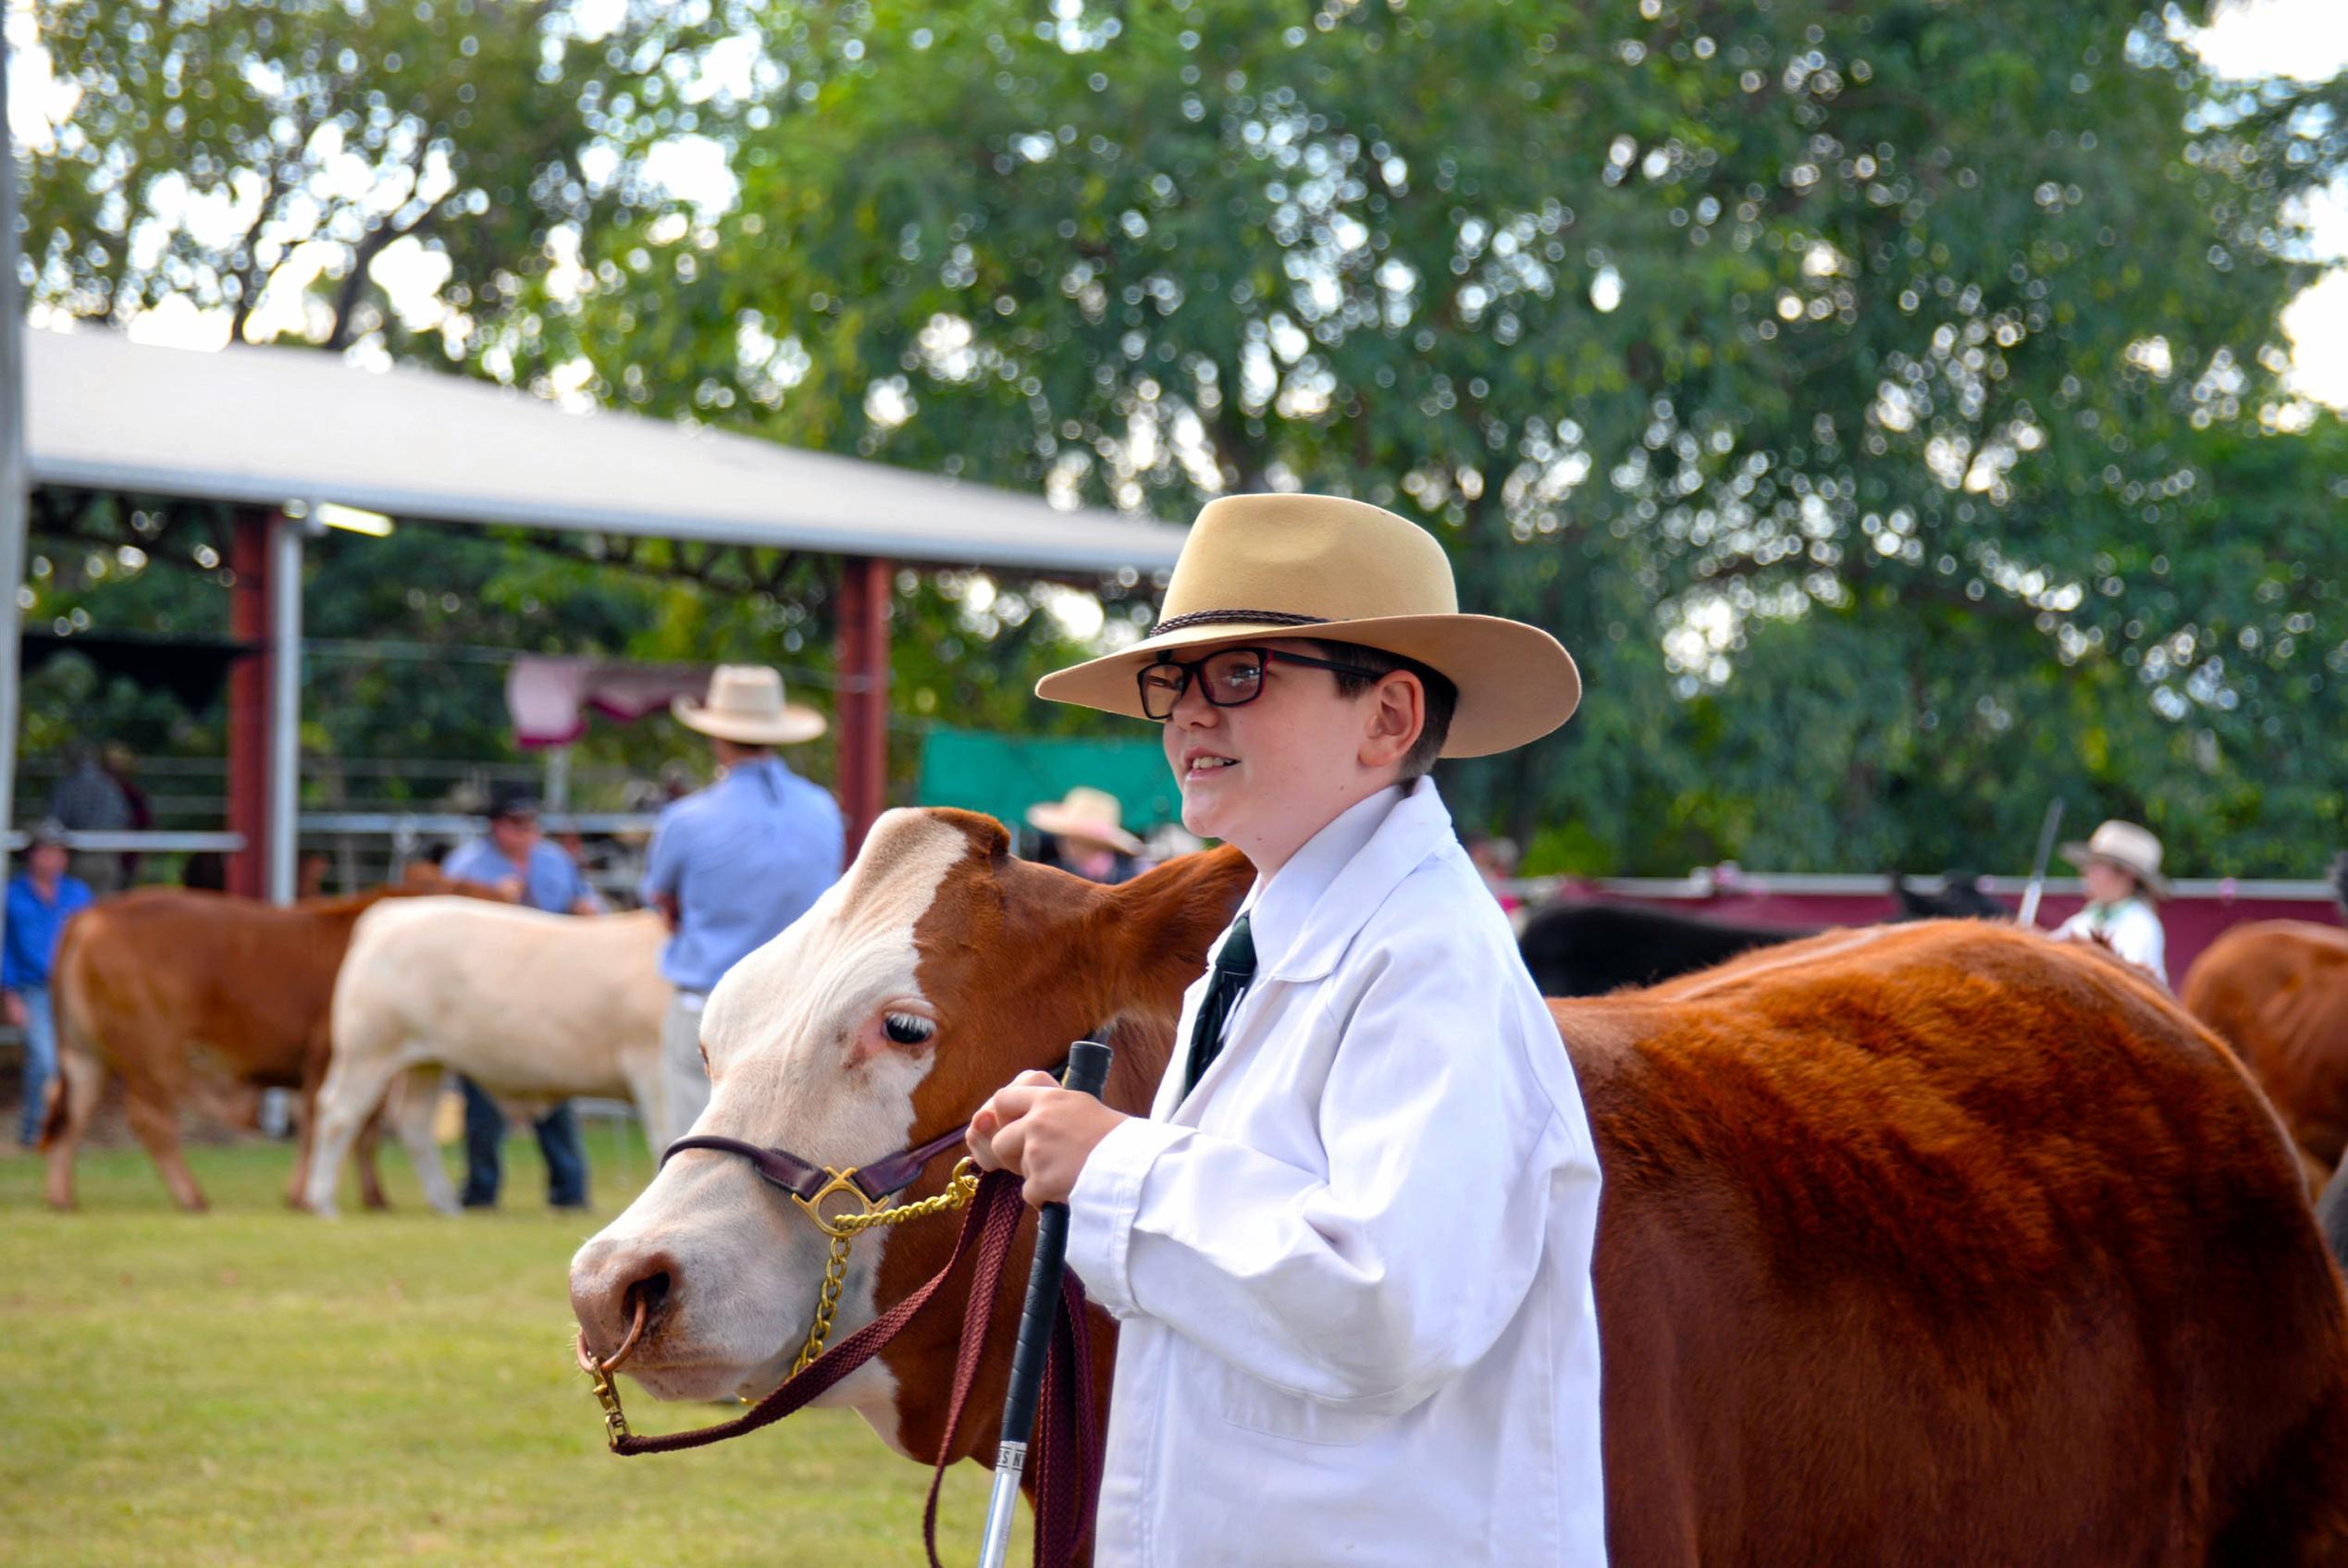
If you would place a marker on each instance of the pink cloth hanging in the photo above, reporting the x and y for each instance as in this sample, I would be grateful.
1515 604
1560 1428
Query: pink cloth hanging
547 698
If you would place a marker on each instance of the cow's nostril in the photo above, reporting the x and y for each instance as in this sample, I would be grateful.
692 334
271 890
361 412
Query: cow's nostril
653 1292
619 1292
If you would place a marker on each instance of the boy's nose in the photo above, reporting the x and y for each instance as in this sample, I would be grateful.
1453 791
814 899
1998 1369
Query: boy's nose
1193 712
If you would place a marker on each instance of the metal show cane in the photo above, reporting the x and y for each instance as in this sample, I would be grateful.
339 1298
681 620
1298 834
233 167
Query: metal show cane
2029 917
1087 1065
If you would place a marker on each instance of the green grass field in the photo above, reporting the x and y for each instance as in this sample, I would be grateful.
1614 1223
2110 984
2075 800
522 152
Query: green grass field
253 1386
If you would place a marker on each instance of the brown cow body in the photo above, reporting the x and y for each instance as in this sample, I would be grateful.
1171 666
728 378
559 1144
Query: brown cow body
1949 1244
2277 991
144 978
1933 1245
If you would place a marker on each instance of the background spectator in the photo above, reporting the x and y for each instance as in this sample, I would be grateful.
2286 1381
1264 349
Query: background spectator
515 860
41 896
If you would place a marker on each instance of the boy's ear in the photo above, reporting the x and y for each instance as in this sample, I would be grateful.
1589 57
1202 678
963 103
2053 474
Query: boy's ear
1398 713
1158 927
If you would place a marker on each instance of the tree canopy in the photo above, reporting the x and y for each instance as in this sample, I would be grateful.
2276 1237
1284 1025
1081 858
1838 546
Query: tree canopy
1881 401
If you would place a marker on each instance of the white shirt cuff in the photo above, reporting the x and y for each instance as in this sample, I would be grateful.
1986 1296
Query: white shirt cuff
1102 1209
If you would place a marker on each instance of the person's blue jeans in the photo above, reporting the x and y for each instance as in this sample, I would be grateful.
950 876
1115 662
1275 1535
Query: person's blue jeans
557 1130
40 1058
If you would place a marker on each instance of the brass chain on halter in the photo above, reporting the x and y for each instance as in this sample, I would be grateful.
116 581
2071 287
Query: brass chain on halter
843 1229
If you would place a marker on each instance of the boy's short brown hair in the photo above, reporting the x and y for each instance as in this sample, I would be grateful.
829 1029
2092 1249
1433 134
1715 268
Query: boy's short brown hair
1366 666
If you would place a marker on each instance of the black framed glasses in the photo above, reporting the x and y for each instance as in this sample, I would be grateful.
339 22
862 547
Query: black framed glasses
1229 677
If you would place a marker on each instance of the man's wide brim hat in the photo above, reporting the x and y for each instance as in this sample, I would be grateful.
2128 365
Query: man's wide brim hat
1258 568
2132 849
745 707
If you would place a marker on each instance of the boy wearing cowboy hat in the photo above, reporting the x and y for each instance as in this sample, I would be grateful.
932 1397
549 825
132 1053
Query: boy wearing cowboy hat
1350 1245
2121 865
1088 830
732 864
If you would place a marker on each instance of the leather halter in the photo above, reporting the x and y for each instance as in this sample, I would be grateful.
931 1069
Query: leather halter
807 1181
811 1183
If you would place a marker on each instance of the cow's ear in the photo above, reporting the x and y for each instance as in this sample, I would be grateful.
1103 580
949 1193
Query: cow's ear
987 837
1161 924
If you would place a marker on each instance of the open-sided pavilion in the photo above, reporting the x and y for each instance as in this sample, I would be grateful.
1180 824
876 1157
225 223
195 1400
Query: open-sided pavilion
268 437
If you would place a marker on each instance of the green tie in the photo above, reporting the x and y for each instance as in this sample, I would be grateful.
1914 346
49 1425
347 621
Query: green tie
1234 967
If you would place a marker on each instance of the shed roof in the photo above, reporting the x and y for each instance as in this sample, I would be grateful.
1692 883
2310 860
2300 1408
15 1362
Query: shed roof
263 427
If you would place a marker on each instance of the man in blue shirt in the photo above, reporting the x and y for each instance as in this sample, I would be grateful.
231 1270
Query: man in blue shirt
735 863
40 897
517 863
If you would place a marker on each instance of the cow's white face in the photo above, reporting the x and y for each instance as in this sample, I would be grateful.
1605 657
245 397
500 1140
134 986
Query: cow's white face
815 1044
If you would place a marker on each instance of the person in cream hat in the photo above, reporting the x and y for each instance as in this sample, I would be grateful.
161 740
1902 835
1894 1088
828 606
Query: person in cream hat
1366 1088
2120 864
1087 826
746 708
732 864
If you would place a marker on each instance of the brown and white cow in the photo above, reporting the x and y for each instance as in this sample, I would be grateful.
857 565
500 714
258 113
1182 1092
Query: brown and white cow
145 978
2277 991
1940 1244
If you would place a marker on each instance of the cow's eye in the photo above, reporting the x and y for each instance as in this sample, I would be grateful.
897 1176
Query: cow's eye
905 1028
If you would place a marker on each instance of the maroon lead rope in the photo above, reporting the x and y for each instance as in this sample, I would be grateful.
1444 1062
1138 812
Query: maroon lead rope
1068 1437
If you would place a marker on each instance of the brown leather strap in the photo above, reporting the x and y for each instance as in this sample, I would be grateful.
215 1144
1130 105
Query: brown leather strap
1065 1471
1236 617
781 1166
986 1285
1069 1442
804 1181
900 1171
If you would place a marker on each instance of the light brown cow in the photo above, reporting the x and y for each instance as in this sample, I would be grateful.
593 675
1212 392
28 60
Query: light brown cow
144 978
1939 1245
2277 991
521 1001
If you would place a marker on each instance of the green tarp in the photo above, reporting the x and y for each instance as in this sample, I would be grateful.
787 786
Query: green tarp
1003 775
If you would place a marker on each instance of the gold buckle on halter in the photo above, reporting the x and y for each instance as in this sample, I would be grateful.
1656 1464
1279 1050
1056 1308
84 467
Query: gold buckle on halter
841 1182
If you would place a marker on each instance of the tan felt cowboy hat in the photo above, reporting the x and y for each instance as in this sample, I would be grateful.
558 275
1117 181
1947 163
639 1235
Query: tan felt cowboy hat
745 707
2128 847
1089 816
1260 567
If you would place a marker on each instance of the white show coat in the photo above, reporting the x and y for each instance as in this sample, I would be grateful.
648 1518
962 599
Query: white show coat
2132 928
1353 1265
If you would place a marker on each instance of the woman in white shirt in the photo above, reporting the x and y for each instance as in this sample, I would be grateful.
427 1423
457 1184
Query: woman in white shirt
2120 864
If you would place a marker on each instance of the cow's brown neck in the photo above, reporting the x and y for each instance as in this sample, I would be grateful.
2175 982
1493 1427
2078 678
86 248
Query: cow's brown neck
1023 959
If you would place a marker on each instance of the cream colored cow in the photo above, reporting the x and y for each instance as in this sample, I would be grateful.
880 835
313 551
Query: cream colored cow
530 1005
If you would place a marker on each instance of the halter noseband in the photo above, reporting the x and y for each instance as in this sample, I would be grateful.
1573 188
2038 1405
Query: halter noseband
811 1183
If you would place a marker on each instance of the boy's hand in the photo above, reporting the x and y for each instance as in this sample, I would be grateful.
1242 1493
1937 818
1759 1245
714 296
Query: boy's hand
1037 1129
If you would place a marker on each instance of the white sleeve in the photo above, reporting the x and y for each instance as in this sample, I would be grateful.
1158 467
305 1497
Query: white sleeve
1372 1287
2138 937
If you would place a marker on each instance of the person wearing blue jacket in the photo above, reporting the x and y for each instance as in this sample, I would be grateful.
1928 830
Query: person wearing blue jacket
731 865
41 896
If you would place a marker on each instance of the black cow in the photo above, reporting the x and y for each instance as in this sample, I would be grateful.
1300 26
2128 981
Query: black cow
1962 897
1589 949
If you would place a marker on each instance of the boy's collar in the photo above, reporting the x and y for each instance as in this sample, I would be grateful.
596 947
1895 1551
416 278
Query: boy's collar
1306 914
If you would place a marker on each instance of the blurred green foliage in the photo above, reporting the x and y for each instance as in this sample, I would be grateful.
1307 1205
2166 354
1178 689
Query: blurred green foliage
1882 402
